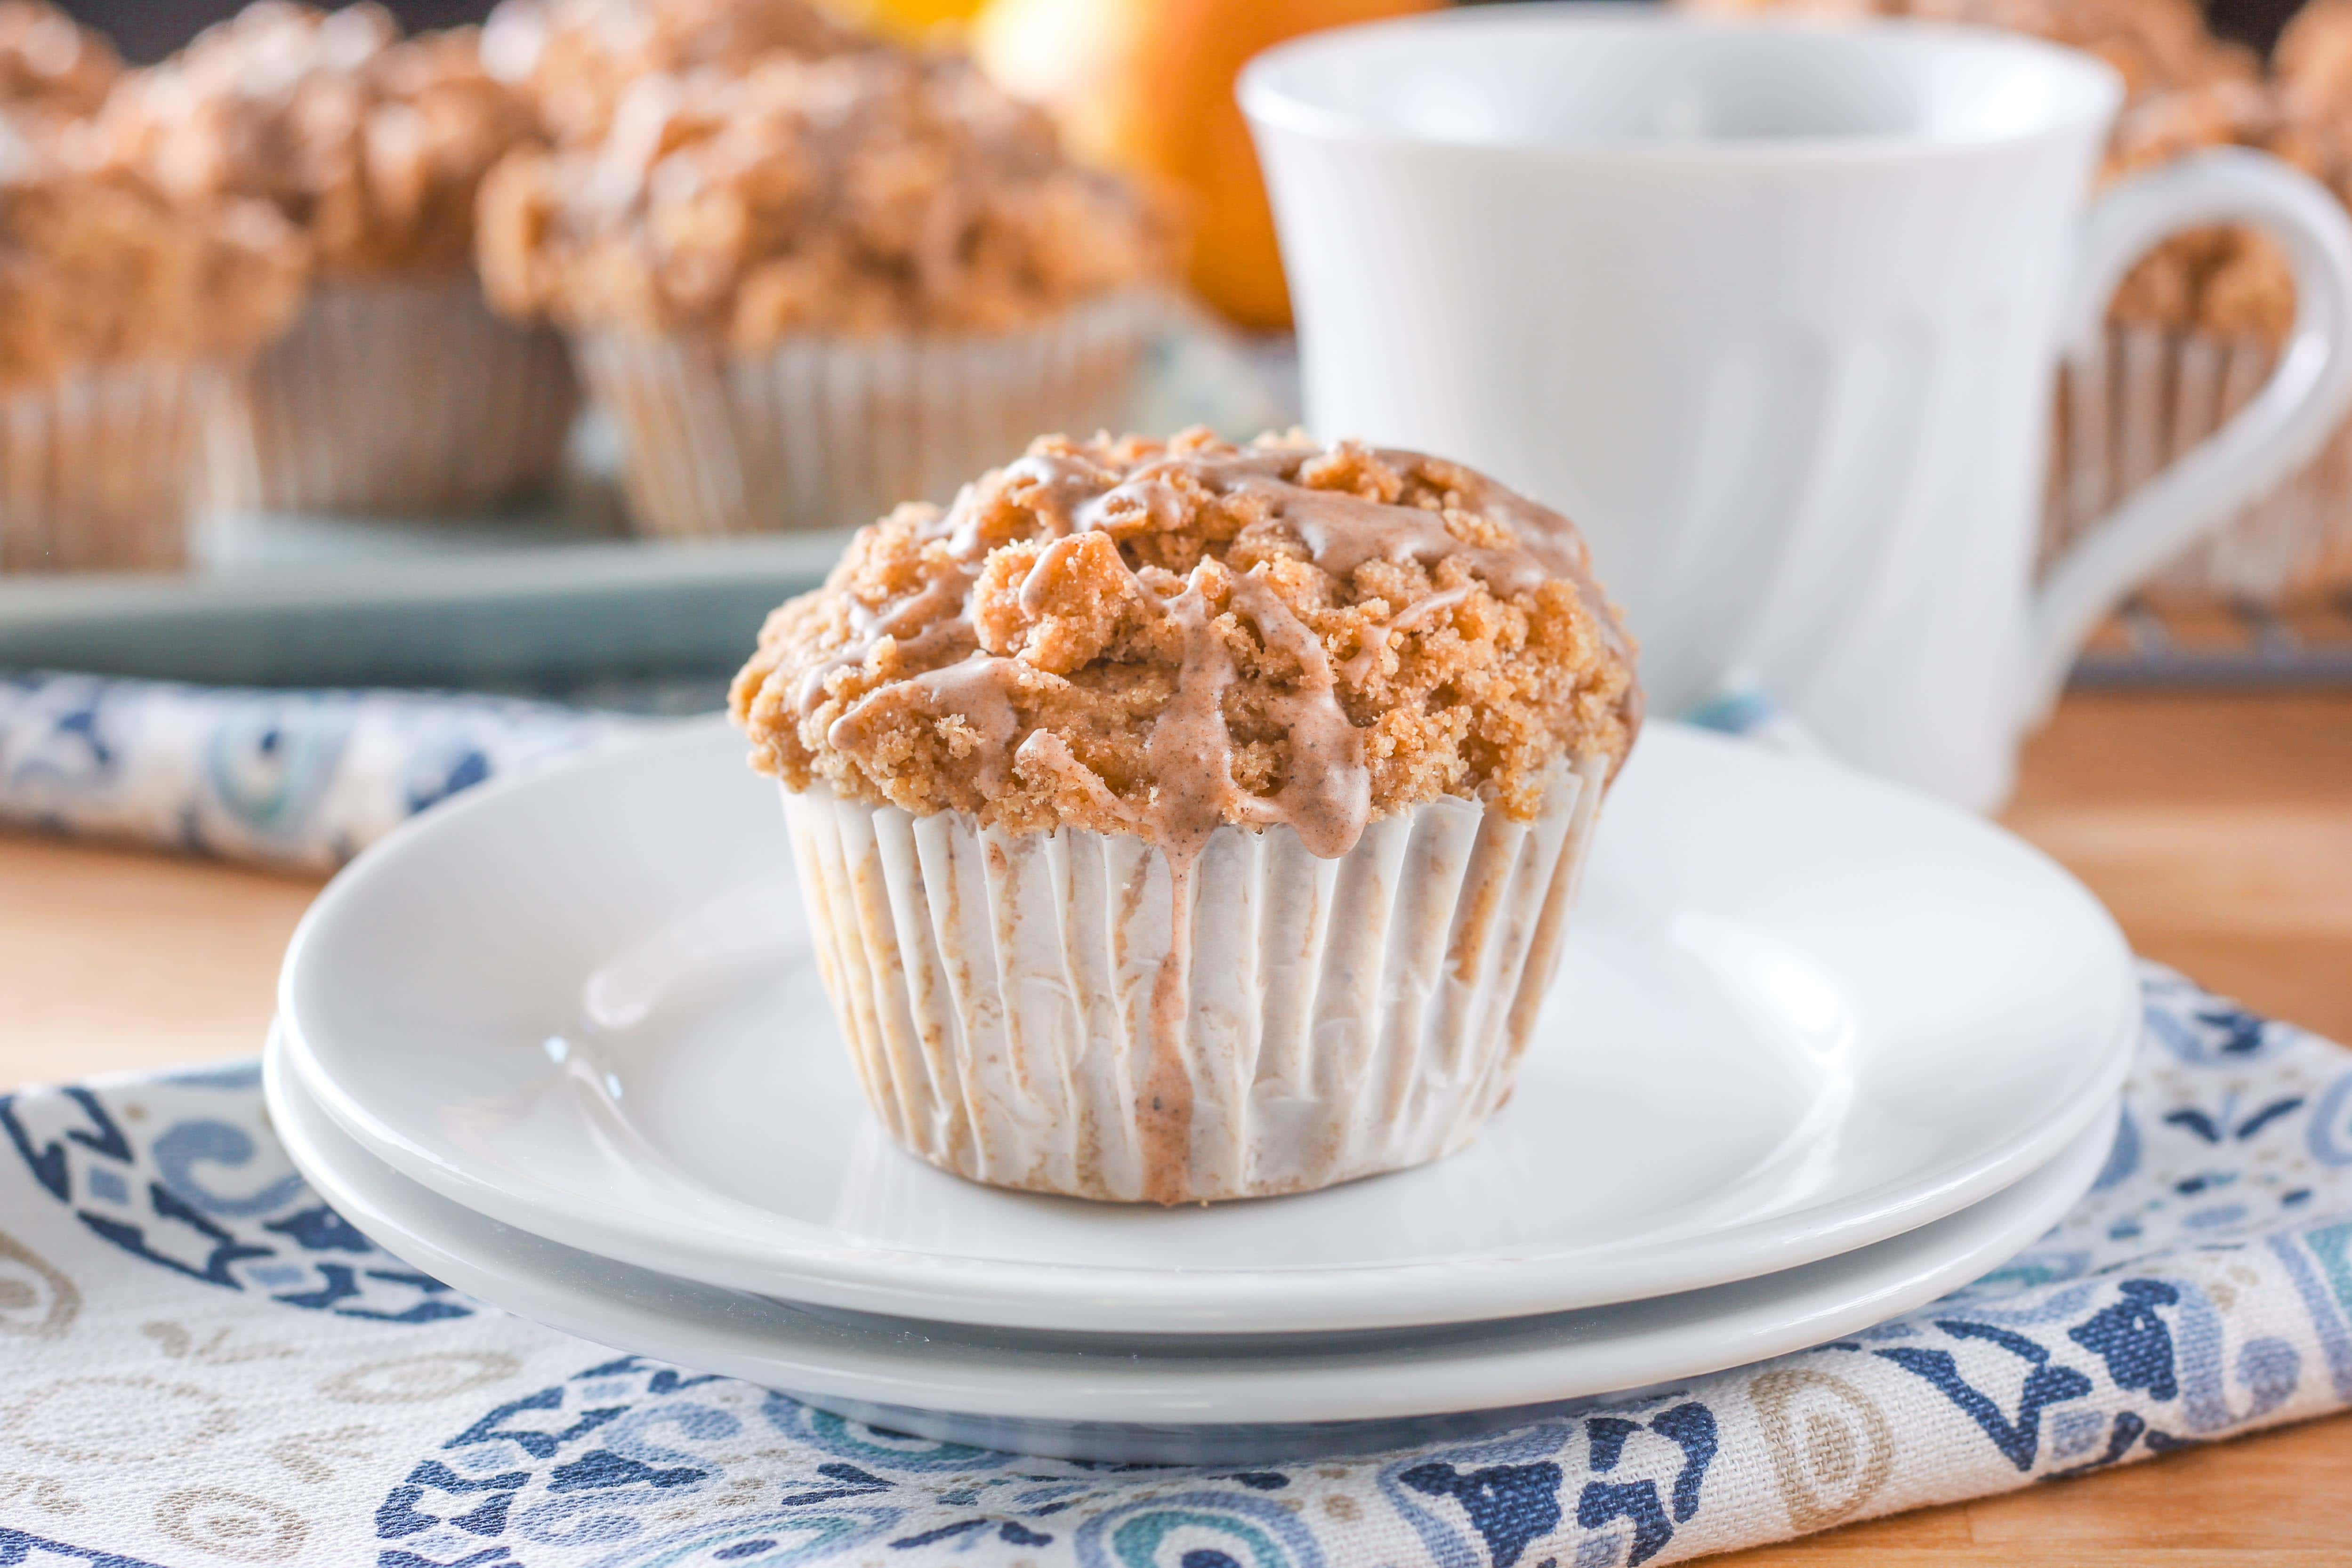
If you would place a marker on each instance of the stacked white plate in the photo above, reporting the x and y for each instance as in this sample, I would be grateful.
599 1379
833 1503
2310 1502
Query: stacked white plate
1820 1051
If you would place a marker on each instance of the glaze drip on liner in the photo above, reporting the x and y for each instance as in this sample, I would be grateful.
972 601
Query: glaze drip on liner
1083 509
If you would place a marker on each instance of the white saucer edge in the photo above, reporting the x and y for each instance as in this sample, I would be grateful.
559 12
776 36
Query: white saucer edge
851 1281
1234 1411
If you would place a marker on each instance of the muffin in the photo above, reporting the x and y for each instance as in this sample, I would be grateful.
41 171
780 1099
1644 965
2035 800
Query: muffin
575 58
397 391
825 286
1180 821
122 315
2192 335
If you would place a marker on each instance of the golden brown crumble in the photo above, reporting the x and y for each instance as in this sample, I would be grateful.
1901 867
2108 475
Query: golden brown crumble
2313 57
372 144
2231 281
575 58
97 265
1102 633
857 194
51 68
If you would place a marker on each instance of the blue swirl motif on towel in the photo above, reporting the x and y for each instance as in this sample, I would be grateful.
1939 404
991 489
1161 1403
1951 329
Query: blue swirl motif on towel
600 1468
2203 1286
183 1173
305 777
2105 1342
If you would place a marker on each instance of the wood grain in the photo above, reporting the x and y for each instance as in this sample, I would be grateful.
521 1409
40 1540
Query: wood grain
2217 828
116 959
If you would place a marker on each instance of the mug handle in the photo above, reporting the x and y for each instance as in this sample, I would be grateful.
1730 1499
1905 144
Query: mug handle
2285 423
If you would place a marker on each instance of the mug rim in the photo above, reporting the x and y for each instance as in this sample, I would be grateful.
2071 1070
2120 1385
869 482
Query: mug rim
1269 103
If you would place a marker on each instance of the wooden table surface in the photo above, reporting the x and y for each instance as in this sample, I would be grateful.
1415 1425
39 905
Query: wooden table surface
2217 828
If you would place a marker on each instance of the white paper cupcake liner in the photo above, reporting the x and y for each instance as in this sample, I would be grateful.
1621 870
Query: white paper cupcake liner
834 432
99 468
397 397
2151 395
1021 1011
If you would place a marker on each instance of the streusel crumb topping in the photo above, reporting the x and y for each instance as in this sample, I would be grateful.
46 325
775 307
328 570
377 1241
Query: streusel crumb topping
858 194
1158 637
2230 281
97 266
51 67
575 58
373 145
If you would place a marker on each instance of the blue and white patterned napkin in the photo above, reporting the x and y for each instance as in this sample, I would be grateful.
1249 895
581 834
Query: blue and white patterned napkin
200 1363
298 779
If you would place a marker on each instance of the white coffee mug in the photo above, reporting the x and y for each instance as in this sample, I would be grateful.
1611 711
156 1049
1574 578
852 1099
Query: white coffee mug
1774 313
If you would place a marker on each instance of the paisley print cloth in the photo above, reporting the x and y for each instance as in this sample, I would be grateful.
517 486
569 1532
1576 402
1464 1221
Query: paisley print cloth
201 1363
296 779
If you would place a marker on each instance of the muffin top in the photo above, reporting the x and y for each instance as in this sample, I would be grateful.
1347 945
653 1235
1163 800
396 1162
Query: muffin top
2313 57
855 194
1160 637
50 68
372 144
97 265
575 58
2229 281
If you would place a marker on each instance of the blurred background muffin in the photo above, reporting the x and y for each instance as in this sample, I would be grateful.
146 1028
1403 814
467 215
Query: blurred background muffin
397 391
53 71
816 287
123 312
574 58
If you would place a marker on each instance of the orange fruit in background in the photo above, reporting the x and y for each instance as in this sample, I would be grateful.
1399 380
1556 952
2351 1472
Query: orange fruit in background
915 21
1147 85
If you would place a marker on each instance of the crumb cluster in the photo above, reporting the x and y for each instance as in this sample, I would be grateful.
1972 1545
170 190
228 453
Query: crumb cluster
857 194
575 58
2231 281
1034 654
372 144
99 265
51 70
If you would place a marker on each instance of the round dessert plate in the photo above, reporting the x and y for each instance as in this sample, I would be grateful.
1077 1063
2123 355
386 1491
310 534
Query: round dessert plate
1189 1399
1799 1012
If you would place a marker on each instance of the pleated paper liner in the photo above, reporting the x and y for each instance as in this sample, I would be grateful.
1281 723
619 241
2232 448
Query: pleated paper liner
100 469
826 432
1060 1012
401 398
2151 395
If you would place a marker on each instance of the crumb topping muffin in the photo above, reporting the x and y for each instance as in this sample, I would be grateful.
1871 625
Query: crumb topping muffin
372 144
49 67
575 58
2312 59
97 265
858 194
2231 281
1157 638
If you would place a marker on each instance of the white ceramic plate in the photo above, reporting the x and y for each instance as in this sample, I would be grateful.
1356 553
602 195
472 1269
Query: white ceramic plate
1172 1400
1799 1012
